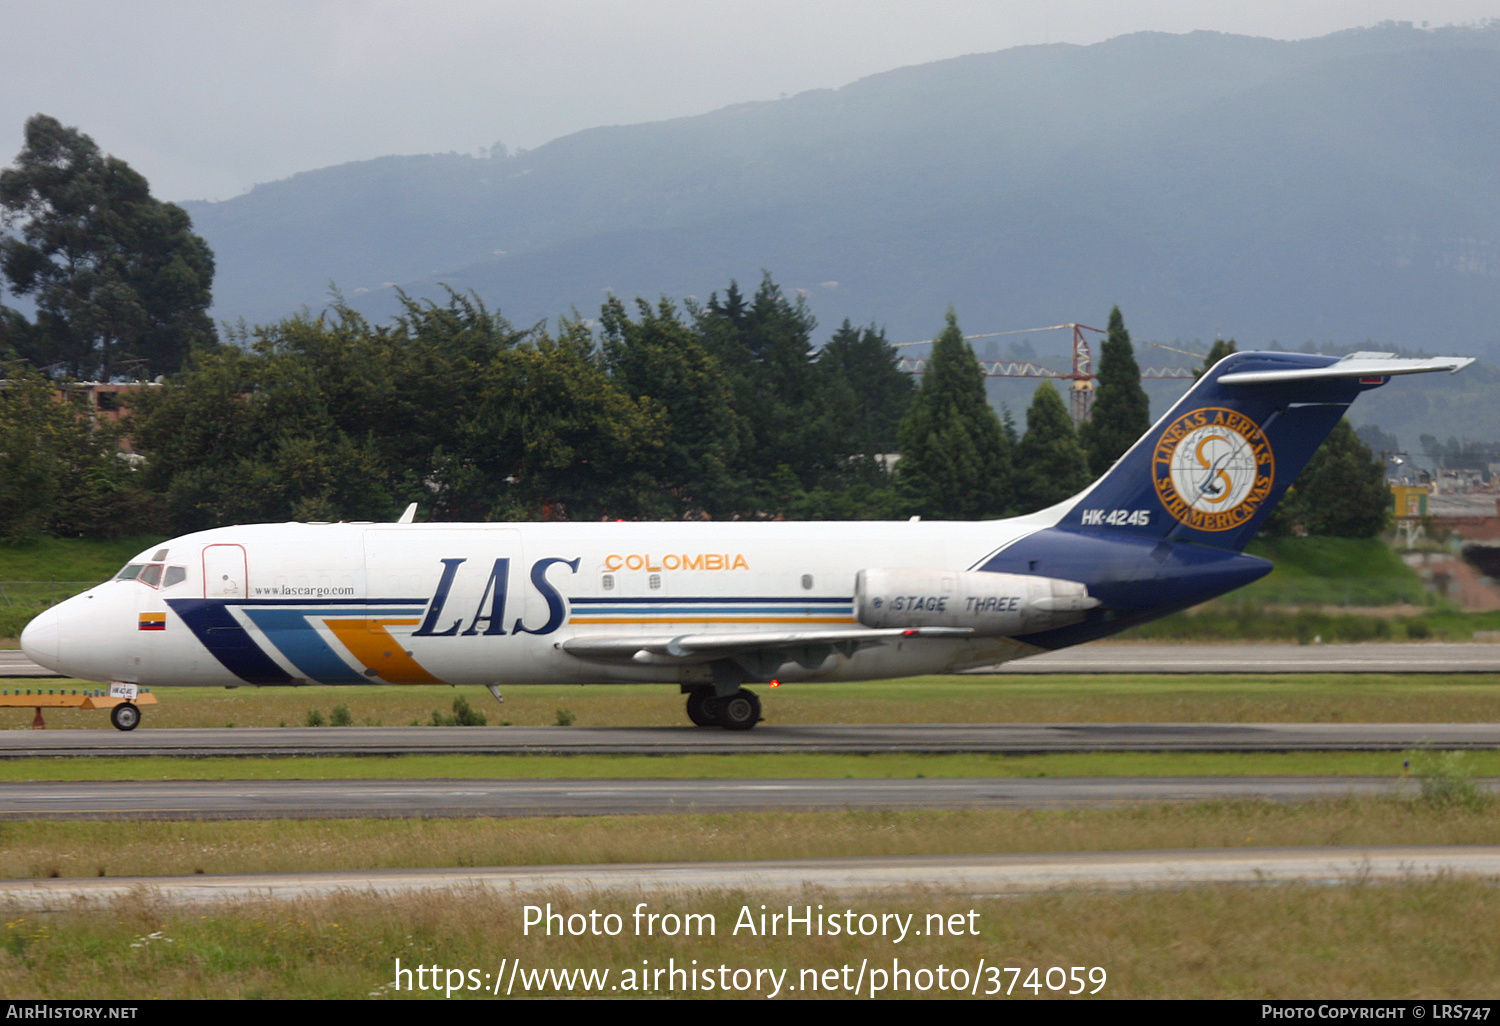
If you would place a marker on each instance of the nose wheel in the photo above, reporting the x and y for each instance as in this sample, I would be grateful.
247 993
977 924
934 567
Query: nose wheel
125 716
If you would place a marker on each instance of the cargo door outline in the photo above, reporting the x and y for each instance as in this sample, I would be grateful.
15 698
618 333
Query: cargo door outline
226 571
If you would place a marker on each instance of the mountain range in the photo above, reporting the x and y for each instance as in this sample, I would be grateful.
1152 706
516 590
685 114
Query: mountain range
1342 191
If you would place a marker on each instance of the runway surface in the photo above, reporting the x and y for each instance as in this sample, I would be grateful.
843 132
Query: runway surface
1009 738
1366 657
304 799
13 663
1371 657
972 874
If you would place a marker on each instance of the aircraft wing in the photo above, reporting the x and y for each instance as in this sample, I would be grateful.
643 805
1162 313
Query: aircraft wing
702 648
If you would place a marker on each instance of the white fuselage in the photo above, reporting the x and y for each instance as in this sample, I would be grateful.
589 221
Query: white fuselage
495 603
714 603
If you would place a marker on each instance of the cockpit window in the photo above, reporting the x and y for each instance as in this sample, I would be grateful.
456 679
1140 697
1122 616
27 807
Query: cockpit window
130 572
151 575
175 575
161 554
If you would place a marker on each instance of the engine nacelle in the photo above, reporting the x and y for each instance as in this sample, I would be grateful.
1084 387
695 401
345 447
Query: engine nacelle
993 605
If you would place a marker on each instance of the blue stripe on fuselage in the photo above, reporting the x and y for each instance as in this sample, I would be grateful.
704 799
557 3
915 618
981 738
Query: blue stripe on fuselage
300 642
228 642
284 622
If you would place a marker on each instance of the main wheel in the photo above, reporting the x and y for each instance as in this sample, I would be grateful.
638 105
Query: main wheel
125 716
740 711
701 706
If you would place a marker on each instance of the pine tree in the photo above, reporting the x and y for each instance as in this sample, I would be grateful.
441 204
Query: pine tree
1342 492
1050 464
955 463
1122 411
864 394
658 357
1221 348
764 347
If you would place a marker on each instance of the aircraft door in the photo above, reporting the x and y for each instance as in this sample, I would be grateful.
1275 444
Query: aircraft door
226 572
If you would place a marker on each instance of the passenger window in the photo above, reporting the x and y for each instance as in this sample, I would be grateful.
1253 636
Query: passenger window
129 572
609 582
151 575
654 580
807 582
175 575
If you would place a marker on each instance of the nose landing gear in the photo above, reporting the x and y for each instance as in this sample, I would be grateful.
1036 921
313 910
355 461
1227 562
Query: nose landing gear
125 713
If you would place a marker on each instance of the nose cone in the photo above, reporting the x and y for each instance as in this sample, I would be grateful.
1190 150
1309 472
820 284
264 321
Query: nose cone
41 637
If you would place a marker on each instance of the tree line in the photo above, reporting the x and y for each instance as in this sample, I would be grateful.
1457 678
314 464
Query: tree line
724 409
720 410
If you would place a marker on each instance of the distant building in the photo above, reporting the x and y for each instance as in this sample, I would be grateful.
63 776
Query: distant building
1474 517
107 399
1409 501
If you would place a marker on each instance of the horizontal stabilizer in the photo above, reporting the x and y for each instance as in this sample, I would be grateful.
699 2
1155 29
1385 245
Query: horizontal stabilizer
1355 365
696 648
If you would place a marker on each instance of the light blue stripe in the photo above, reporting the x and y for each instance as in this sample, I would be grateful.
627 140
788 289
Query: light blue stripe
296 639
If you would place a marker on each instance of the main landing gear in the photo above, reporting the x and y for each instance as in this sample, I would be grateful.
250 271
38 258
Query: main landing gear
739 711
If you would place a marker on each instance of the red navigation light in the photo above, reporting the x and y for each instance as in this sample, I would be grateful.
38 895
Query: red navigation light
775 683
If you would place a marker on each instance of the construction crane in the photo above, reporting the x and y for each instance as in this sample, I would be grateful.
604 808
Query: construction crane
1081 378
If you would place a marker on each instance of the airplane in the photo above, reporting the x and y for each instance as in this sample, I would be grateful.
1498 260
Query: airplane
713 606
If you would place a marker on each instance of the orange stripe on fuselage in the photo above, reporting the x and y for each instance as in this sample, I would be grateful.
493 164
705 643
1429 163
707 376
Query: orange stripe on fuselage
370 643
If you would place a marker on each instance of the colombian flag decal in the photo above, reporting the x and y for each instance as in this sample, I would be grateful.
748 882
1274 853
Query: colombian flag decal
153 621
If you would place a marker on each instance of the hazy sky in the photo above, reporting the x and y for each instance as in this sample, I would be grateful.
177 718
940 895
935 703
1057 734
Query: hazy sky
209 97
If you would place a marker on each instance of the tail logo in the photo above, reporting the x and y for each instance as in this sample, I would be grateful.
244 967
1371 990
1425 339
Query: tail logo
1213 469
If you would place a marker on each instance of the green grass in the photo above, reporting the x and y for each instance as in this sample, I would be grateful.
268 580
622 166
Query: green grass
1338 589
756 766
1324 558
68 559
1302 598
1457 625
56 559
1333 571
963 698
80 848
1229 620
1419 939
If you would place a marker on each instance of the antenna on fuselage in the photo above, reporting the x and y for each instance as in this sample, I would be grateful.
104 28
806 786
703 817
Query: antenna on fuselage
409 516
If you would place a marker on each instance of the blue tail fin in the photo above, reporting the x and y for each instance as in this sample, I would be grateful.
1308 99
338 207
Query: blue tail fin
1164 528
1212 469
